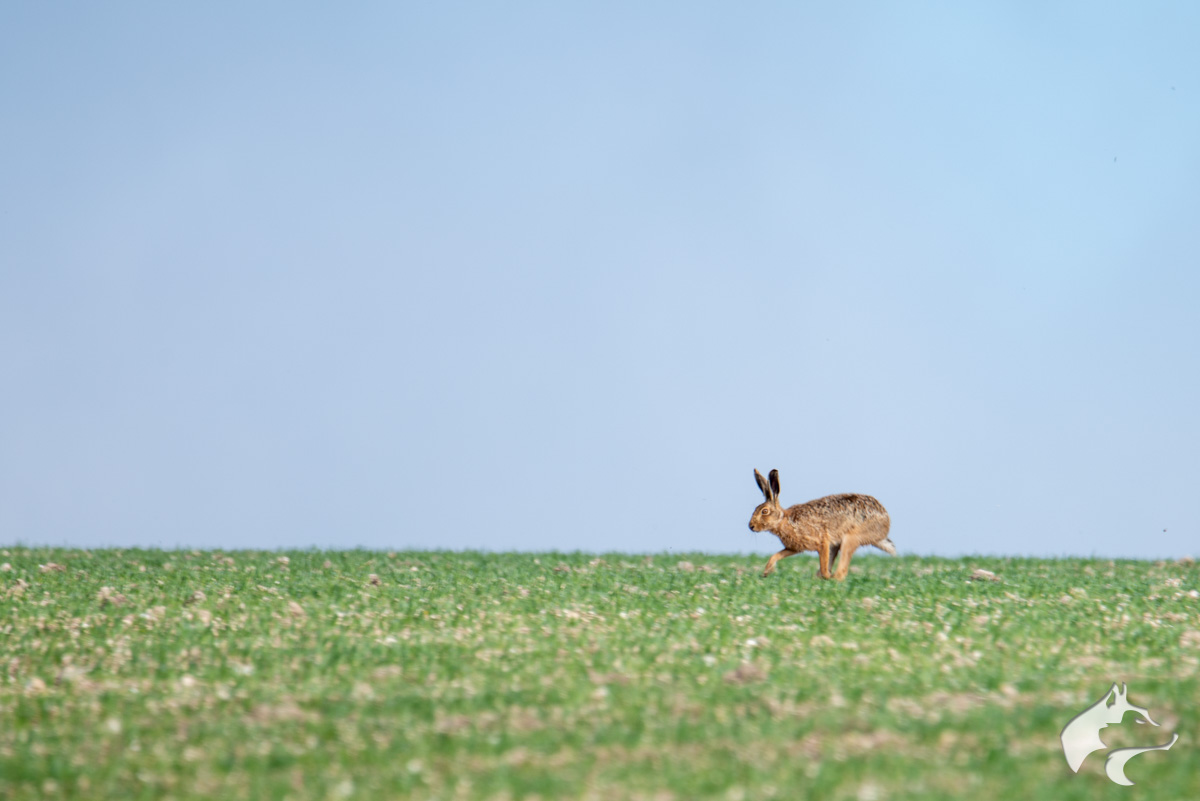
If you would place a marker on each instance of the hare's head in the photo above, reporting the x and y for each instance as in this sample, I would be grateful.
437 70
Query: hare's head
769 513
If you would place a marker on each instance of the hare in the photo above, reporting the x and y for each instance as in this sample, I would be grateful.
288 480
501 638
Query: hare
827 525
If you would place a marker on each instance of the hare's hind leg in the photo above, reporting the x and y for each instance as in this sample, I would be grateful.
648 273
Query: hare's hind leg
869 533
784 554
849 546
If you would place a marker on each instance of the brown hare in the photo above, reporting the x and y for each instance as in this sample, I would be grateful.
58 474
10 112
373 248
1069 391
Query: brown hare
827 525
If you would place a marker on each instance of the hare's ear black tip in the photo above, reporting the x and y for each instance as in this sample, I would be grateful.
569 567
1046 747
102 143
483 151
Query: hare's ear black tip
775 483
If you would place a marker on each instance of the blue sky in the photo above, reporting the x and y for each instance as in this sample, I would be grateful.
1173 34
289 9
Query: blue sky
561 275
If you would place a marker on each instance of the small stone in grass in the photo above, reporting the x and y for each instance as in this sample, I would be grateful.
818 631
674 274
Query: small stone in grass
744 674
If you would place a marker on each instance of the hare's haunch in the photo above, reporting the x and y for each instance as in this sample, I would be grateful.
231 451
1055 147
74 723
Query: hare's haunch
829 525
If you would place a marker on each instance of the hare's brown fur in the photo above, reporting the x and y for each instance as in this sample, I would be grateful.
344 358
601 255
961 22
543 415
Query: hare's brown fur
829 525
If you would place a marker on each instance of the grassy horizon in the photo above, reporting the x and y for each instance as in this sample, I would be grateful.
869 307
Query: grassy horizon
307 674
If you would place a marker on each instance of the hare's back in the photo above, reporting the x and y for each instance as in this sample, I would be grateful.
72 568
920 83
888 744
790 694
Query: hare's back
849 507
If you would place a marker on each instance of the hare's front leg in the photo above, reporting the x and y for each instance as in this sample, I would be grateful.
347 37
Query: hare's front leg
823 550
784 554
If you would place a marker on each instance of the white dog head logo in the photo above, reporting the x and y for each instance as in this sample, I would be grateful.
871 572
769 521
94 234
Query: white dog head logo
1081 736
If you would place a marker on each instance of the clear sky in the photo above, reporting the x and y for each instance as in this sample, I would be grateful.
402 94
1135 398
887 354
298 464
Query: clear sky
561 275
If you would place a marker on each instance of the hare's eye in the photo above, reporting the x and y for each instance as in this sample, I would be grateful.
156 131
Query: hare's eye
766 512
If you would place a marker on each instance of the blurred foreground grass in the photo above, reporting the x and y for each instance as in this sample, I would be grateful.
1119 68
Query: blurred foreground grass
353 674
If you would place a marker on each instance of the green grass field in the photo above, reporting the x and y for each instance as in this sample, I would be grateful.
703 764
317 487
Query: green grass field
337 675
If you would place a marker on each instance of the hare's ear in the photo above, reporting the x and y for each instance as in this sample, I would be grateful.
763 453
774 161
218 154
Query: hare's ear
763 485
775 484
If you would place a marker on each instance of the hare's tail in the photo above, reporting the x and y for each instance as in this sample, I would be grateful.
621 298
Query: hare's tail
886 546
